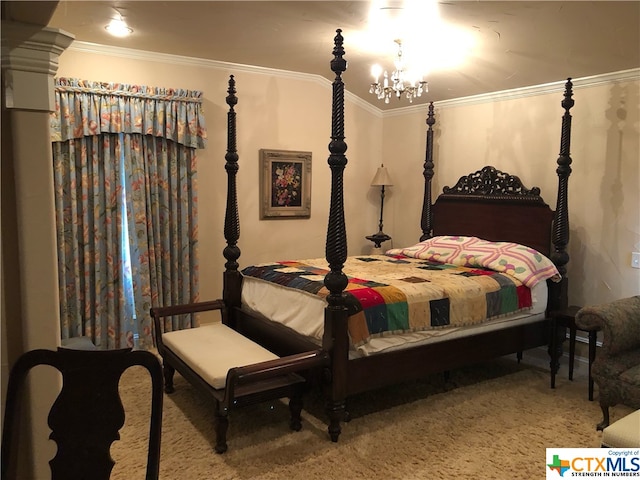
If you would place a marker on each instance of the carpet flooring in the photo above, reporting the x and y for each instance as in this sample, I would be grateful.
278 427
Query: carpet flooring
490 421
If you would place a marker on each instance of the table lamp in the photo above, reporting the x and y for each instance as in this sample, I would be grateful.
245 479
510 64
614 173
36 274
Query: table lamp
382 180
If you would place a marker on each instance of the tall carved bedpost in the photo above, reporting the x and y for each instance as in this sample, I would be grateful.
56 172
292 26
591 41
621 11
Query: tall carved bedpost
336 338
560 237
232 280
426 221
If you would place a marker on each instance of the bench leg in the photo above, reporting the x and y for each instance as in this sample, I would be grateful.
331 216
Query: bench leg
168 372
221 427
295 409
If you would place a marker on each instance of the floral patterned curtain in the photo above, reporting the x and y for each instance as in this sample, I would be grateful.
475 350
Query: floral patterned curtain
125 152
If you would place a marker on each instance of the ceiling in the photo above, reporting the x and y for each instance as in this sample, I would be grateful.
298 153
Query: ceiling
518 43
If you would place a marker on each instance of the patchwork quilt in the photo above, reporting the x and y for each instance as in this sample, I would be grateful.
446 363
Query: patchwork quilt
394 293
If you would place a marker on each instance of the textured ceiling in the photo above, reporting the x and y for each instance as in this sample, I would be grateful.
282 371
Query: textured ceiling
518 43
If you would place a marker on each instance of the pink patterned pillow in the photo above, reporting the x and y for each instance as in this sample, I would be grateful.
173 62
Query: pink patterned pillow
524 263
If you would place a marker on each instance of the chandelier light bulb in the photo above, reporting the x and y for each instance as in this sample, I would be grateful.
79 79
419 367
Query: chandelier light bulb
376 71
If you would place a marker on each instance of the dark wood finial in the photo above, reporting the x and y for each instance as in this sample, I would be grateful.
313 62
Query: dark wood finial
338 64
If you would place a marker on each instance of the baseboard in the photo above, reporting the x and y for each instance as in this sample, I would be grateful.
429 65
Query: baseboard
539 357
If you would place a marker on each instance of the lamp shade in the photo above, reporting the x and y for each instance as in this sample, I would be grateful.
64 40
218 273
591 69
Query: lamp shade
381 178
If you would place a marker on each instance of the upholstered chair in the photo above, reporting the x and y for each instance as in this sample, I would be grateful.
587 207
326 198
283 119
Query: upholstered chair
616 369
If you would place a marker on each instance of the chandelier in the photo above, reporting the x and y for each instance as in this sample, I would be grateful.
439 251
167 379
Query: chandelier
399 83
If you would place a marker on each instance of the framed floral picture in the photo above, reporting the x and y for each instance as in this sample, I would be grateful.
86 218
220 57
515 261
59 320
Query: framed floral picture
285 184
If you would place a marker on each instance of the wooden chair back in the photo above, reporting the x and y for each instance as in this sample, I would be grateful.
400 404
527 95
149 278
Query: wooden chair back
87 415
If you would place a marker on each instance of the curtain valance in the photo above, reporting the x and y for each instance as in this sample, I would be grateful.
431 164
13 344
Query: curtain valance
85 108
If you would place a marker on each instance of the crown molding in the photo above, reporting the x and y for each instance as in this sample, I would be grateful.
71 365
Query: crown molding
94 48
632 74
544 89
29 61
554 87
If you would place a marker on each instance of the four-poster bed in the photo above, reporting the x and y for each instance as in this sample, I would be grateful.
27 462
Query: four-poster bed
488 204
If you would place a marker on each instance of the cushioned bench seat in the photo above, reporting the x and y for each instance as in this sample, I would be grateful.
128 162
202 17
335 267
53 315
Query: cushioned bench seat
212 350
624 433
233 369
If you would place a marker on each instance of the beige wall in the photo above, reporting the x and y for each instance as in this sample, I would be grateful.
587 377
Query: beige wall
522 137
283 112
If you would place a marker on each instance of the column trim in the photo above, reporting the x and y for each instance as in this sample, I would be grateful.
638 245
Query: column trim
30 60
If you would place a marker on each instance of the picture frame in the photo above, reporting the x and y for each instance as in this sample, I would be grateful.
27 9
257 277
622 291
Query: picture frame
285 184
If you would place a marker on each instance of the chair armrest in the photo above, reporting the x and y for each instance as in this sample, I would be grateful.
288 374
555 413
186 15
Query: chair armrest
273 368
280 366
187 308
619 321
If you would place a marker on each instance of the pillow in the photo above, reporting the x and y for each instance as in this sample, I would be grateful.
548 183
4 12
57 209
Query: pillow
524 263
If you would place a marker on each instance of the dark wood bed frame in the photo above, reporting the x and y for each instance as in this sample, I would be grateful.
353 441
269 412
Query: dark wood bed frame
488 204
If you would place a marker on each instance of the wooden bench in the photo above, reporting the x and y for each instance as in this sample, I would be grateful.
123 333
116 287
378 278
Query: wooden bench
231 368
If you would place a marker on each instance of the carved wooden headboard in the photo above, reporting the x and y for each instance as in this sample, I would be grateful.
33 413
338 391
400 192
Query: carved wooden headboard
496 206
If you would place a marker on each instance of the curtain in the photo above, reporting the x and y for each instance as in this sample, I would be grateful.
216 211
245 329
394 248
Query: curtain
88 224
126 206
162 183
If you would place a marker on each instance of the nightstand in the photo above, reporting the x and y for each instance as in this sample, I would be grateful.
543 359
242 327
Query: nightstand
378 238
567 317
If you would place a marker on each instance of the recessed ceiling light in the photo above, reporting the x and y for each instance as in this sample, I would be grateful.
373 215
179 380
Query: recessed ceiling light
118 28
